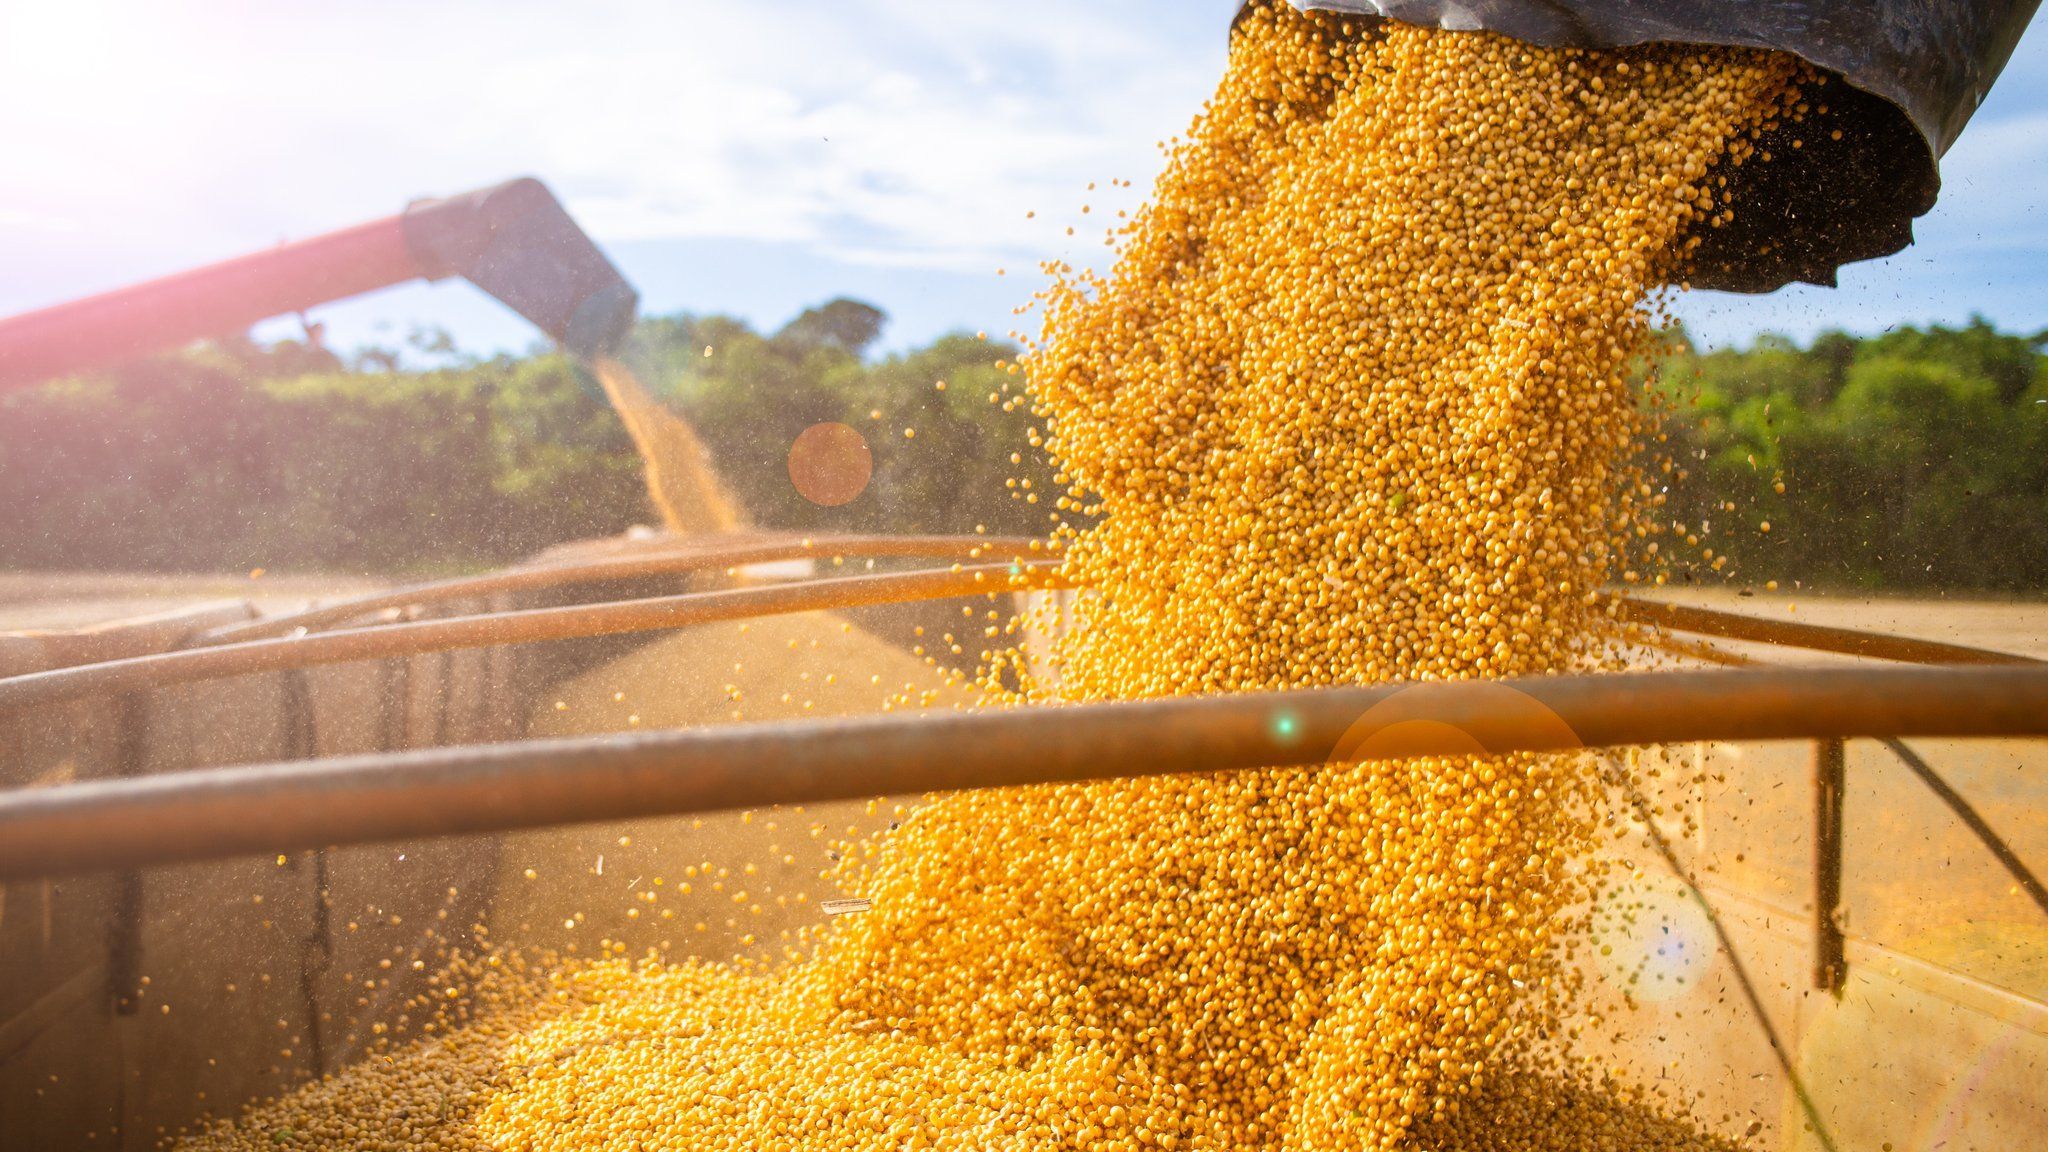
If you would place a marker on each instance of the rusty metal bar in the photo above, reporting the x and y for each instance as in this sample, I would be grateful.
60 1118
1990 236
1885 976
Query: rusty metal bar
316 947
38 650
654 613
1968 814
669 561
279 808
1700 621
1830 768
40 689
1819 637
124 919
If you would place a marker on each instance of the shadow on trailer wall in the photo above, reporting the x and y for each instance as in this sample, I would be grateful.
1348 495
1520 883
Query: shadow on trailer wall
132 1005
131 1002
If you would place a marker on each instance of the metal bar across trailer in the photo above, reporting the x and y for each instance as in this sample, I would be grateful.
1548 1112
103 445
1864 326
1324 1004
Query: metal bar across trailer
265 809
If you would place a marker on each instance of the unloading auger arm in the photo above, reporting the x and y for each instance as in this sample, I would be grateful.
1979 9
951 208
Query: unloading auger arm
513 240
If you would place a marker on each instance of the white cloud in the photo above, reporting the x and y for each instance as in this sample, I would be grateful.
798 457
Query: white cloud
920 131
917 131
888 134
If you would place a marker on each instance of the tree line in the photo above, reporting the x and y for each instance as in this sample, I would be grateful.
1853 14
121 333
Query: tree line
233 455
1913 460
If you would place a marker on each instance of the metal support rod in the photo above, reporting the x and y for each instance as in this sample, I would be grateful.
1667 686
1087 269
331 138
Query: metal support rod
39 689
1830 766
1818 637
665 562
316 948
1684 618
656 613
124 945
124 924
1971 819
278 808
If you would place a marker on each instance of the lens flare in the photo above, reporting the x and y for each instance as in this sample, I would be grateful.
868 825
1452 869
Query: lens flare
830 464
1654 940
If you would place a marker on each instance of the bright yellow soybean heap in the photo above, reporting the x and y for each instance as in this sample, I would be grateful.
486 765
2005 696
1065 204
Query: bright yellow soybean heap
1349 408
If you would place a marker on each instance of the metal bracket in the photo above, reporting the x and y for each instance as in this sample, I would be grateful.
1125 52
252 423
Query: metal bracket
1830 965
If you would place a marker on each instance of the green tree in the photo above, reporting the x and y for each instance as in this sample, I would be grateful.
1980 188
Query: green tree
1915 459
957 472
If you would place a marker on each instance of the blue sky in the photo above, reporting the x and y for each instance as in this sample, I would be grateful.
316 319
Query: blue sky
747 158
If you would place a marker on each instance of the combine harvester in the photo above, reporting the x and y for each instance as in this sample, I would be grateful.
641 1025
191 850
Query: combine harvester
217 821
